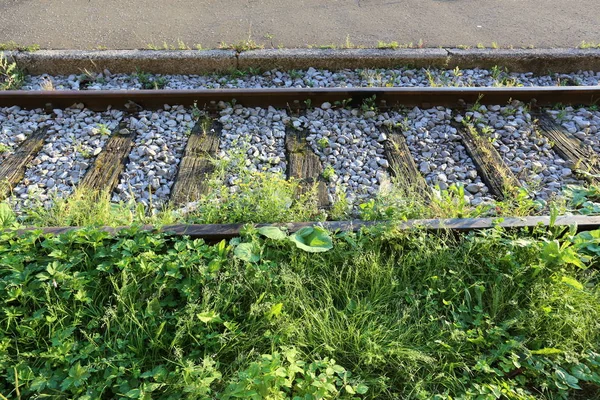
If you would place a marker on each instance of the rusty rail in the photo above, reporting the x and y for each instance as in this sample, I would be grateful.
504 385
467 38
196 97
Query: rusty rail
216 232
299 98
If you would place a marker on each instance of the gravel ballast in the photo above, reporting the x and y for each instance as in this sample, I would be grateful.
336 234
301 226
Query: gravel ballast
349 142
581 122
438 152
17 124
310 78
528 154
159 144
75 136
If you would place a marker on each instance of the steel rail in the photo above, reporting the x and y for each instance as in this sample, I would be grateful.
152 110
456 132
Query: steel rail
300 98
216 232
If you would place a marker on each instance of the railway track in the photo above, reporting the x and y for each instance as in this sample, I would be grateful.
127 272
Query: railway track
187 144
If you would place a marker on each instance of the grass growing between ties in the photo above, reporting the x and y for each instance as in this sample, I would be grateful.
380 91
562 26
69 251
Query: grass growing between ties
268 197
379 314
86 207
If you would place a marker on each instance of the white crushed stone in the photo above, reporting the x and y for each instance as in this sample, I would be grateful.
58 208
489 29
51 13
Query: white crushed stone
74 136
16 125
258 132
527 153
584 123
439 154
350 146
401 77
159 144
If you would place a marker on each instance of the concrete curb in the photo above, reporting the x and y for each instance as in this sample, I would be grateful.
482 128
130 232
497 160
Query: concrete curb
331 59
539 61
64 62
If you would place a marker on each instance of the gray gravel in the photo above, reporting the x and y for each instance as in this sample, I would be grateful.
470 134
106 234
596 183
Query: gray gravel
402 77
16 125
259 132
583 123
350 146
153 161
528 154
75 136
438 152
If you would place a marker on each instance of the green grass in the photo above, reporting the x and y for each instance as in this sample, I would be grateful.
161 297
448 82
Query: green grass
150 81
14 46
380 315
589 45
11 76
242 45
263 197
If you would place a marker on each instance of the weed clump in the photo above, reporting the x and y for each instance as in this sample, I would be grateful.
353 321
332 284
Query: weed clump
379 314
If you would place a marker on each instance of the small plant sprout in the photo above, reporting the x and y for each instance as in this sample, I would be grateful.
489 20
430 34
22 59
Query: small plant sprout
431 79
323 143
328 172
101 129
196 112
295 74
369 104
4 148
181 45
457 72
149 81
11 77
349 44
387 45
589 45
344 103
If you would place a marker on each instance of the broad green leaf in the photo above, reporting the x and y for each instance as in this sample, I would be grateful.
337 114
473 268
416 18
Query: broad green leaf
567 378
134 393
312 239
247 252
349 389
272 232
362 388
7 216
275 311
582 372
572 282
209 317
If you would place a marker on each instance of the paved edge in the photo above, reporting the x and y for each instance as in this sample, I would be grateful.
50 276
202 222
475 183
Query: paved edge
331 59
539 61
65 62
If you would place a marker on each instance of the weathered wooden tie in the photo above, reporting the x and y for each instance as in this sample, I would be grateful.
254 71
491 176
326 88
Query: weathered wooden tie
104 173
491 168
12 169
305 165
196 165
581 158
402 164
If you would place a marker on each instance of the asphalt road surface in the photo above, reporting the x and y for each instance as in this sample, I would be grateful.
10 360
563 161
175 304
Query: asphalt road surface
129 24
